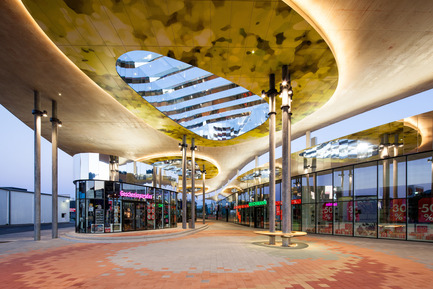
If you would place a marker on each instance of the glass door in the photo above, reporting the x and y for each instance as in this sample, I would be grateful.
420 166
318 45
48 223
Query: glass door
140 216
128 216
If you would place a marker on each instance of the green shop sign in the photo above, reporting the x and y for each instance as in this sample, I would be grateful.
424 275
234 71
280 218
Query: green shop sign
253 204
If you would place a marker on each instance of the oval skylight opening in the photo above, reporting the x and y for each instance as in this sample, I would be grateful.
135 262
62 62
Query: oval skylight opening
206 104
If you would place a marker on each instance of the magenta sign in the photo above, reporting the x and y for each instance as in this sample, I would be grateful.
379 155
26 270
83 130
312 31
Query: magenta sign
135 195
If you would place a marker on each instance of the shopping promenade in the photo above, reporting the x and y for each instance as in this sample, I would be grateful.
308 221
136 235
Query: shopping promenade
221 255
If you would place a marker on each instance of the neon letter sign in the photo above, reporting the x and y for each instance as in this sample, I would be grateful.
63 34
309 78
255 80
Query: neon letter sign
135 195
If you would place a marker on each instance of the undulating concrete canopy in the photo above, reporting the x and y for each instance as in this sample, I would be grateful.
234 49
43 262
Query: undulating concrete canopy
67 50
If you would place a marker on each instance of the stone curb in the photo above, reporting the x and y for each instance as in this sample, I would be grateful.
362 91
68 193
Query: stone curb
87 238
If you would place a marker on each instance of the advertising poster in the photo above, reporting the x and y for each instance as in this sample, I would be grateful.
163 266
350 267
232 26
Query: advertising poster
398 210
425 210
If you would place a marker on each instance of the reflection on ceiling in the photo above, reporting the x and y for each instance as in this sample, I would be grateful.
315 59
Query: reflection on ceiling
208 105
342 149
174 164
241 41
260 173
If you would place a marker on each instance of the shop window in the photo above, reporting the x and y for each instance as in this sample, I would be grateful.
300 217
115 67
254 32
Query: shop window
308 191
343 218
343 184
392 178
325 191
392 218
365 178
365 216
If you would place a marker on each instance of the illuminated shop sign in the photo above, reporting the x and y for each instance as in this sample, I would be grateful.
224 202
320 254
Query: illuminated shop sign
253 204
135 195
262 203
330 204
294 202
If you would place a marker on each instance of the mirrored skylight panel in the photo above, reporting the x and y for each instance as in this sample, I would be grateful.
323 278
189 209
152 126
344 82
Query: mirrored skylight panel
190 90
222 114
184 77
211 106
160 67
226 95
177 92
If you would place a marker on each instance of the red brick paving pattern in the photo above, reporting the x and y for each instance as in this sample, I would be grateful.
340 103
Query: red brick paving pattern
83 265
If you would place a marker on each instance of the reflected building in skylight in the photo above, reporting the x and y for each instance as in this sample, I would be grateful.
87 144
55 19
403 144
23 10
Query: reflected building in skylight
341 149
208 105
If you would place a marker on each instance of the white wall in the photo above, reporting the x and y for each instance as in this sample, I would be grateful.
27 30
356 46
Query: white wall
22 208
46 209
63 206
4 204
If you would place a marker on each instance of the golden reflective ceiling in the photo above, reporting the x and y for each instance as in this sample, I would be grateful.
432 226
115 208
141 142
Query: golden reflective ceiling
242 41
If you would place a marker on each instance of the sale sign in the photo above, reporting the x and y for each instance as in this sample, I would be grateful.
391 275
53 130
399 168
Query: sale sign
327 212
425 210
398 210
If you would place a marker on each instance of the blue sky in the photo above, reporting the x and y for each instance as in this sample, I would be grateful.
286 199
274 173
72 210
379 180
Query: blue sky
16 145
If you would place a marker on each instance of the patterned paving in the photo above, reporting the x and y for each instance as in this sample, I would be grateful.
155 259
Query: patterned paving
223 256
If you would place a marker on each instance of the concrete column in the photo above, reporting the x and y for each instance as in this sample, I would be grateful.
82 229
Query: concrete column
135 168
272 115
286 149
154 173
114 168
54 179
193 148
307 139
204 194
37 167
184 202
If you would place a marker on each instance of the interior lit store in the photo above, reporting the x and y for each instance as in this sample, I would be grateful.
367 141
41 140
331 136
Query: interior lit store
109 207
376 183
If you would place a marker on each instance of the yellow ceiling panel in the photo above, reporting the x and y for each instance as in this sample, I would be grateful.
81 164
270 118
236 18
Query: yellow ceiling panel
218 36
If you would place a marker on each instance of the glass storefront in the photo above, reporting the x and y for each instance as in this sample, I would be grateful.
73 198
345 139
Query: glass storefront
389 199
108 206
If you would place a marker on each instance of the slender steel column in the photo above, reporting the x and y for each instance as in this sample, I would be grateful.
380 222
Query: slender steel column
193 148
184 146
395 178
286 149
37 167
272 114
160 178
154 173
54 179
395 169
204 194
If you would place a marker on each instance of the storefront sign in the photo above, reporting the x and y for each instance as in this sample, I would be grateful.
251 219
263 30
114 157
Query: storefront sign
331 204
135 195
263 203
253 204
241 207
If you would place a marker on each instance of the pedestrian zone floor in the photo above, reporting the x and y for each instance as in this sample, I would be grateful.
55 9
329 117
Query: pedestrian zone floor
220 255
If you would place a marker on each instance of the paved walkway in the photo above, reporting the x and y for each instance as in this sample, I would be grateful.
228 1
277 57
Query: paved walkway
221 256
